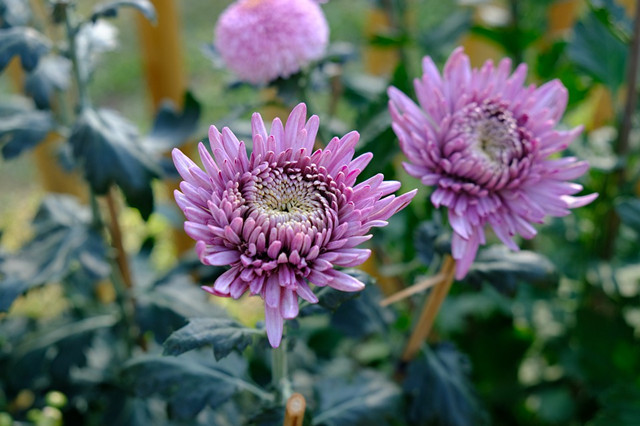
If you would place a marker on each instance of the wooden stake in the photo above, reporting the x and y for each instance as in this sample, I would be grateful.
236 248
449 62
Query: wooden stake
294 410
162 51
116 239
430 310
416 288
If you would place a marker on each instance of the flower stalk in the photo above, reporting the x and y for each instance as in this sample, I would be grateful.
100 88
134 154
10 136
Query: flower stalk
279 372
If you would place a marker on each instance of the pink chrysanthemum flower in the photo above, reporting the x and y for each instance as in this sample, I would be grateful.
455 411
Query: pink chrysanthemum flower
285 216
261 40
486 142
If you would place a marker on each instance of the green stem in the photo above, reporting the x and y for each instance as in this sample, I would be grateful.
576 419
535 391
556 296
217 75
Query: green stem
72 32
279 374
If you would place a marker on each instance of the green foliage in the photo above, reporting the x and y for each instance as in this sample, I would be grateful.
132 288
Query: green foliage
368 398
598 52
65 239
25 42
110 9
22 128
186 383
439 388
505 269
104 137
52 74
223 334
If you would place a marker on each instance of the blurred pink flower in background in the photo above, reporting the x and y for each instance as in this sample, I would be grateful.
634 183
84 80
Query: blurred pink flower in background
486 142
285 216
261 40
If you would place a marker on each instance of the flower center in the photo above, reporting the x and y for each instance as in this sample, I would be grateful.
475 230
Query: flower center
492 132
287 196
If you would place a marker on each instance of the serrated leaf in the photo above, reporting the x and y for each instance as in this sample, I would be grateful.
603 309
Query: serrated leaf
629 211
92 40
64 239
25 42
368 399
52 73
504 269
110 9
22 129
223 334
187 384
109 149
171 128
598 52
439 388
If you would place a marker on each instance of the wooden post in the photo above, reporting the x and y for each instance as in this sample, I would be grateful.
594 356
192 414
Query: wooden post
294 410
161 46
430 310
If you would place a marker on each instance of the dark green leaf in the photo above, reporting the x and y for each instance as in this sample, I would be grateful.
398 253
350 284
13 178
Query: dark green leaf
165 304
52 73
64 239
368 399
629 211
425 240
187 384
225 335
25 42
620 407
598 52
362 315
439 388
504 268
22 128
53 351
110 9
389 39
109 148
172 128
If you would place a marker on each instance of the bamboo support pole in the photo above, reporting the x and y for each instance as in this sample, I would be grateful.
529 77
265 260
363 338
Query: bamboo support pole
430 310
161 46
379 60
294 410
414 289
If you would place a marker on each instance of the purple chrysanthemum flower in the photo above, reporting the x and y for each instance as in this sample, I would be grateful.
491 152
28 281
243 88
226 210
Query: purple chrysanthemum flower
485 141
285 216
261 40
